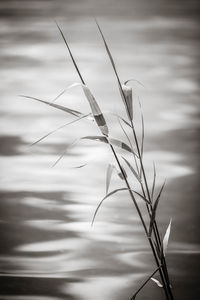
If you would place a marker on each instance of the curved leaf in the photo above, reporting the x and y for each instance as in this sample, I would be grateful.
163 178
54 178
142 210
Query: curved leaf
60 127
101 202
112 141
121 145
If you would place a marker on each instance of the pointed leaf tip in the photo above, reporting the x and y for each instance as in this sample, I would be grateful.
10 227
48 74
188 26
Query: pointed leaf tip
166 238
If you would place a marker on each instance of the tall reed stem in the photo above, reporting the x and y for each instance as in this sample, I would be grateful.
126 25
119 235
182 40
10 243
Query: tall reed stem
161 266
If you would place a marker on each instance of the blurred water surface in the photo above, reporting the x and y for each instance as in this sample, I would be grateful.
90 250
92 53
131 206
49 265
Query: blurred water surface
48 248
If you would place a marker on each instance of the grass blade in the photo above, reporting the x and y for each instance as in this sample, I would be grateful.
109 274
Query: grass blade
142 121
121 145
132 170
60 127
166 238
154 182
59 95
108 176
153 215
63 154
112 141
141 196
115 71
125 133
97 138
124 121
71 55
101 202
63 108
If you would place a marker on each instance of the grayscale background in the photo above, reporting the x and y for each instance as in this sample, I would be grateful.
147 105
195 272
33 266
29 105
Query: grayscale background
48 250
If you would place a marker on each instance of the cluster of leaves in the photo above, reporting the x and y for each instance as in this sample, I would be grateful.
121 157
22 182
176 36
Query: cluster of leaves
137 169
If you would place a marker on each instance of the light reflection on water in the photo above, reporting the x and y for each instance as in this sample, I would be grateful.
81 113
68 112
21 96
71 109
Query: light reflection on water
49 250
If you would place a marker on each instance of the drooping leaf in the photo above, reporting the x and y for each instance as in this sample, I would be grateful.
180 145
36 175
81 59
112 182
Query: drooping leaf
121 145
132 169
101 202
157 282
166 238
153 214
134 80
60 107
108 176
112 141
97 138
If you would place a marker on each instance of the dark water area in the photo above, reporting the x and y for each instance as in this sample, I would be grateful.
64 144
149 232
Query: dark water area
48 250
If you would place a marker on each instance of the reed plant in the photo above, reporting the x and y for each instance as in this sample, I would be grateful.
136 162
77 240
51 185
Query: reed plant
135 148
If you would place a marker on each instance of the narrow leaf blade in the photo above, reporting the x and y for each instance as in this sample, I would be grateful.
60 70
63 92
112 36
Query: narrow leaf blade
108 176
132 169
115 70
60 107
141 196
121 145
101 202
154 182
153 216
166 238
60 127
